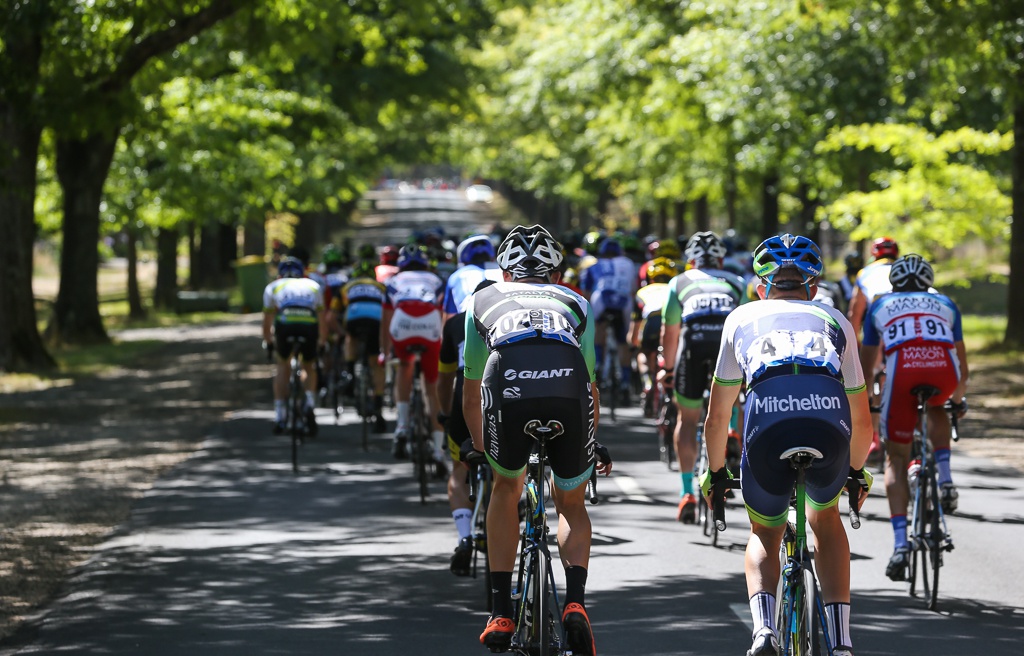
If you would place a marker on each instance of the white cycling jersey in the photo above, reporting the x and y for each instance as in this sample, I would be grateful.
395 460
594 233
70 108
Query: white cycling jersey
294 300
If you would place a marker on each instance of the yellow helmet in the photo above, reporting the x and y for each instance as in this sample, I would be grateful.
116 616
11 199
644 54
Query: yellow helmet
667 248
661 269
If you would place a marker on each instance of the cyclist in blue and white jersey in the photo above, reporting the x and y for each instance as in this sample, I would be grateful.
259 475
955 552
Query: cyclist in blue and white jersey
805 388
610 285
476 264
699 299
293 306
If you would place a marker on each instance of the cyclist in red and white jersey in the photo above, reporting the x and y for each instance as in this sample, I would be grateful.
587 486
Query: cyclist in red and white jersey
388 264
920 334
412 317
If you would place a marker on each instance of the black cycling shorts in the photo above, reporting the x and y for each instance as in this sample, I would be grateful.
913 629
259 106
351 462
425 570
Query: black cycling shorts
366 331
617 323
650 336
544 380
786 411
285 332
696 357
457 430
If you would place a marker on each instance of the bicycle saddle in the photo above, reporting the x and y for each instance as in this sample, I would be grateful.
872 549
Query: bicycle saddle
926 391
417 349
541 432
801 456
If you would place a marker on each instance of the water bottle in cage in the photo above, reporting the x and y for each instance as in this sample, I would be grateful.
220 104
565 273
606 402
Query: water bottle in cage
913 471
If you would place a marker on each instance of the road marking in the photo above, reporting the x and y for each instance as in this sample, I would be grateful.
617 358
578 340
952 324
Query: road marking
631 489
743 612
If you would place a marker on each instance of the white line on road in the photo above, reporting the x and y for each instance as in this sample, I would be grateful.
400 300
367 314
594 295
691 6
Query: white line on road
631 489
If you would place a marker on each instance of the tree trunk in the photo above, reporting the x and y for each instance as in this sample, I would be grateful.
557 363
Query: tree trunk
679 215
194 266
135 308
227 244
82 168
165 293
731 193
702 214
254 238
1015 290
646 221
21 346
663 220
770 206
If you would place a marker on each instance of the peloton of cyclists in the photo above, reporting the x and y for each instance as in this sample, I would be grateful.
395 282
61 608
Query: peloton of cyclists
527 324
293 306
699 300
919 332
785 347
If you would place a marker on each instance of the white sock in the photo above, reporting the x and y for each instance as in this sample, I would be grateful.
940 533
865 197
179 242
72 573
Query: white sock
438 441
279 409
838 616
463 522
310 401
762 611
403 414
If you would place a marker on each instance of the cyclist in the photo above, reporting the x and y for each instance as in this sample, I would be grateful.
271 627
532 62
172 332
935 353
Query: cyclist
530 356
667 249
412 317
476 263
609 285
872 280
854 263
293 306
699 299
388 264
645 330
921 336
360 306
805 388
449 391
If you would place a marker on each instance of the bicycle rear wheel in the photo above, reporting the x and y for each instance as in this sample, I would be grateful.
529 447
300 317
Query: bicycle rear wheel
540 639
934 541
363 403
295 428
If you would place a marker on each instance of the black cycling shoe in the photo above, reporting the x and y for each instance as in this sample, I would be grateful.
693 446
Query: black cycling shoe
462 557
279 427
398 448
311 426
896 570
380 425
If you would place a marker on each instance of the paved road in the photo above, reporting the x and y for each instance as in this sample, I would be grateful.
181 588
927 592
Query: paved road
232 553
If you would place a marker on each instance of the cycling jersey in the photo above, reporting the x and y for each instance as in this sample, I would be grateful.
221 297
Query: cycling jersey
698 301
647 309
361 298
874 279
296 303
918 332
610 283
415 297
799 362
532 346
461 284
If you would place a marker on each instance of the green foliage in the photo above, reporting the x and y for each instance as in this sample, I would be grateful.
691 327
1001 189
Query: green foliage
934 193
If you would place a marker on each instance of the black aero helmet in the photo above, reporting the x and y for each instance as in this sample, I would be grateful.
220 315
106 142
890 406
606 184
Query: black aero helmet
529 251
911 273
787 252
705 249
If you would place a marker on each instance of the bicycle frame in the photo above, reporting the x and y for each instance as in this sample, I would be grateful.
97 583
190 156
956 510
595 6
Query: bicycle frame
481 479
419 429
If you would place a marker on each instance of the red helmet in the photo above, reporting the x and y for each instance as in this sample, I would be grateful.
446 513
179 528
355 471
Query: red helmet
884 247
389 255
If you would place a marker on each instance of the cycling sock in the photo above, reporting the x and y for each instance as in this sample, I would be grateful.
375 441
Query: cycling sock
403 413
438 437
687 488
279 406
463 521
899 529
575 584
501 594
627 375
310 401
838 616
942 464
762 611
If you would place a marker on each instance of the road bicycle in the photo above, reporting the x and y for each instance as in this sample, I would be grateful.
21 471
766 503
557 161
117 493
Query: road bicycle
536 610
295 408
800 610
666 414
364 396
420 451
929 536
335 380
481 479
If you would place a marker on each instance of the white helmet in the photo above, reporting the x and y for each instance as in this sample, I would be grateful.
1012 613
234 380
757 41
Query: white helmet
911 273
529 252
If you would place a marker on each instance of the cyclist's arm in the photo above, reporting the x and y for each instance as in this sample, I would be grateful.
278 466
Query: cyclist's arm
868 357
321 318
863 430
716 427
961 387
385 330
671 317
858 306
446 387
268 324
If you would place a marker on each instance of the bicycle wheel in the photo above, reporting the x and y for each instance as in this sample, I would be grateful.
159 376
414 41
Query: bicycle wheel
934 540
703 512
666 432
363 401
540 639
295 426
812 620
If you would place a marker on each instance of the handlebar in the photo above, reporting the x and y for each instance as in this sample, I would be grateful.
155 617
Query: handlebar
718 500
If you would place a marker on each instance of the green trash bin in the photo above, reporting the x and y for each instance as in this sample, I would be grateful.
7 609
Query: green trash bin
252 280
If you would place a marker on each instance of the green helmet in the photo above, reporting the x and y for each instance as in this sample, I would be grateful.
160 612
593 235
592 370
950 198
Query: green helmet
331 254
364 269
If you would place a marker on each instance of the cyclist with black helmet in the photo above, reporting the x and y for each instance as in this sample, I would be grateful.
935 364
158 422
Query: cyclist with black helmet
412 317
529 357
805 388
610 285
699 300
854 262
921 337
293 306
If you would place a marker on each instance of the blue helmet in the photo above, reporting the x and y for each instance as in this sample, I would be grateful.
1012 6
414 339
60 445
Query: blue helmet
291 267
412 254
788 252
609 248
475 247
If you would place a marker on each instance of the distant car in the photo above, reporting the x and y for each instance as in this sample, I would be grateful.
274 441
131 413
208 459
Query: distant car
479 194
